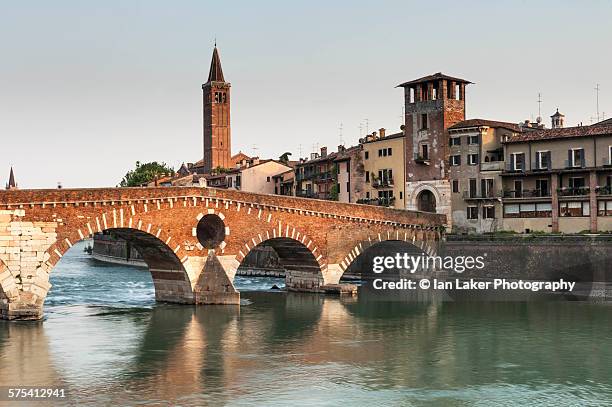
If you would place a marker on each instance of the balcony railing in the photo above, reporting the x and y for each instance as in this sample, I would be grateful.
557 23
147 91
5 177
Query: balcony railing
527 193
510 167
482 195
537 167
377 201
570 164
492 166
605 190
382 183
578 191
419 159
305 194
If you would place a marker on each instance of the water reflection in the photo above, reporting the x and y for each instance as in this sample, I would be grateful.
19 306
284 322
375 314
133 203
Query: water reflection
304 349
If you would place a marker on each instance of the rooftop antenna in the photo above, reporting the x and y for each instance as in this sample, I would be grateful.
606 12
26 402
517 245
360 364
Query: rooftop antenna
597 88
341 140
254 149
539 105
215 41
300 150
360 129
367 122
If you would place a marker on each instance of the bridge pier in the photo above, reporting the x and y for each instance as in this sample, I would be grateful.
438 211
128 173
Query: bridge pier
214 284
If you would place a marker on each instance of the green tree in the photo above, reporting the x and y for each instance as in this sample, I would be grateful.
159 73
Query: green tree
284 158
145 173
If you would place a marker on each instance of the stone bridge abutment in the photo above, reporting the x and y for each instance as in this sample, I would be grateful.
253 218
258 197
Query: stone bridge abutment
192 239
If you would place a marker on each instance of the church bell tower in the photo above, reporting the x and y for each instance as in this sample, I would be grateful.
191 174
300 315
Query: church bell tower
216 117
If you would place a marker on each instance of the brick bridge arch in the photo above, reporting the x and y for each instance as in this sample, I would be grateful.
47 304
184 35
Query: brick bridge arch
39 226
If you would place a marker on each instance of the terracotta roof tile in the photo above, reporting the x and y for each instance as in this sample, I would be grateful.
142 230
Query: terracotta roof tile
483 122
561 133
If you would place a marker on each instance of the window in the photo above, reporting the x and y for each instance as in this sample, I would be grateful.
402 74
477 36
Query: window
486 187
518 188
472 188
367 155
268 179
488 212
473 159
543 160
348 187
609 156
544 210
384 152
472 140
379 152
425 152
401 195
455 141
574 209
411 95
512 210
389 151
518 161
472 212
455 160
455 186
367 175
576 182
424 121
542 187
575 157
604 208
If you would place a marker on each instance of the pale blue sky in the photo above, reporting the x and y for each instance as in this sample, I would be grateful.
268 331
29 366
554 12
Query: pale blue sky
88 88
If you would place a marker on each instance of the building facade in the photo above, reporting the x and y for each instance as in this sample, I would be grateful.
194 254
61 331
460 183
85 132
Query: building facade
476 162
384 166
256 177
432 104
559 179
337 176
216 118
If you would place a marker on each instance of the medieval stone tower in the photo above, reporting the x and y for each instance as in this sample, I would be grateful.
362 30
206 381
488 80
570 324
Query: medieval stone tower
216 117
432 104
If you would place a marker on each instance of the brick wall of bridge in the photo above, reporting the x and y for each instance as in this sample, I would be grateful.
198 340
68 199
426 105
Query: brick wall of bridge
332 232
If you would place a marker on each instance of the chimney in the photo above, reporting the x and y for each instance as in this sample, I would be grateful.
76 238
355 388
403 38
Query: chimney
381 131
323 152
341 148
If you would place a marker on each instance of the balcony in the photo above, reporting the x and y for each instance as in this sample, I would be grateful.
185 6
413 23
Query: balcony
527 193
382 183
305 194
492 166
419 159
577 191
377 201
482 195
605 190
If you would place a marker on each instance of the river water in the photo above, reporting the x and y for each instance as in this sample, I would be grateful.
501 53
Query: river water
107 342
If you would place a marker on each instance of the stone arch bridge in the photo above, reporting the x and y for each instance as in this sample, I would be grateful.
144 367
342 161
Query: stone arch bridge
193 239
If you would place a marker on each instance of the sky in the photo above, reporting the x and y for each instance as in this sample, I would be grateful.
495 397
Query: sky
88 88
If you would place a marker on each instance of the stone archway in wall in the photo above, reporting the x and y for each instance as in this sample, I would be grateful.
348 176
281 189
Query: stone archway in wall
302 268
170 278
428 193
363 262
426 201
